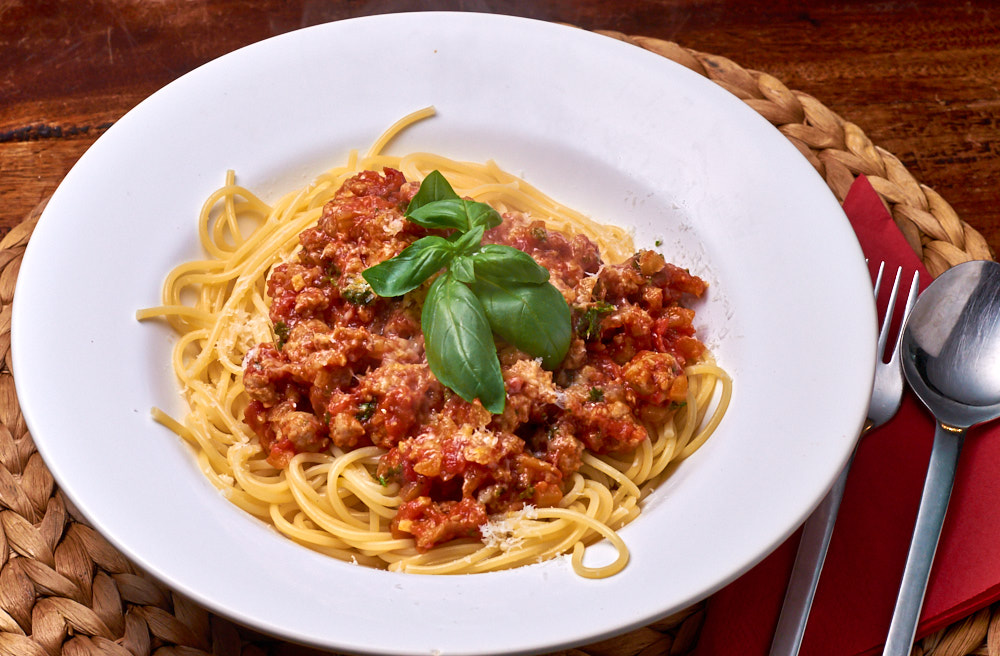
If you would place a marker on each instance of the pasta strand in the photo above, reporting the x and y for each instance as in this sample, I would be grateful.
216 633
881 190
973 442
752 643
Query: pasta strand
333 502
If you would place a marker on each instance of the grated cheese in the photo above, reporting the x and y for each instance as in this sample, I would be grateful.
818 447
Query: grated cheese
501 530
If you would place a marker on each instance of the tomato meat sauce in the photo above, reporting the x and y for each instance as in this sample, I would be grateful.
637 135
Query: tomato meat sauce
347 367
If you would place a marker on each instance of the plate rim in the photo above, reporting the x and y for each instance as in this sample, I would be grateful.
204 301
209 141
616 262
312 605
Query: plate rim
17 334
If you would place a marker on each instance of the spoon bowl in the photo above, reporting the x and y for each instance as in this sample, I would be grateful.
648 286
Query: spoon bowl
951 359
951 345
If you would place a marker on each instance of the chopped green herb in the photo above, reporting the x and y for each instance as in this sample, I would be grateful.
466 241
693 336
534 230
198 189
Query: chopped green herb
588 324
357 291
331 273
596 394
281 331
389 476
527 493
365 410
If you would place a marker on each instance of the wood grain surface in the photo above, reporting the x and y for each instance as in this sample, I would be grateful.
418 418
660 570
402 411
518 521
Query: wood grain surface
921 78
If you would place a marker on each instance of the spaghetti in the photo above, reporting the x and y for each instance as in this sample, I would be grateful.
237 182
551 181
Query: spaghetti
353 500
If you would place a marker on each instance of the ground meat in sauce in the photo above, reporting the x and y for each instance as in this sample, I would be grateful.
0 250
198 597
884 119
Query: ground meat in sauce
348 368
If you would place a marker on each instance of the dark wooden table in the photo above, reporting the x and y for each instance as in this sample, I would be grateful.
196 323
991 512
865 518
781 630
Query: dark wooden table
920 78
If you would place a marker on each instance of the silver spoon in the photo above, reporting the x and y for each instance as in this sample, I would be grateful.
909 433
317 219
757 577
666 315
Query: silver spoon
951 358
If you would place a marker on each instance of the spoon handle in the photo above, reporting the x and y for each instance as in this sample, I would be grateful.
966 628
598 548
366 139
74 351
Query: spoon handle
933 506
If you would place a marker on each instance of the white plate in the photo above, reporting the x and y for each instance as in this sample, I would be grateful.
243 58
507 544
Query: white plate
609 128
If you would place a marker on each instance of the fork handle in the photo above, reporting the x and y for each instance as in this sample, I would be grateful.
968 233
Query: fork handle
933 506
813 545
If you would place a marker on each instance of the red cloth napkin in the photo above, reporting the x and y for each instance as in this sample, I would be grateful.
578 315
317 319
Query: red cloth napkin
857 592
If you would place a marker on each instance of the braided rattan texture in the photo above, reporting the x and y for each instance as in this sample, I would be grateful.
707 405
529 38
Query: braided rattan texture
65 590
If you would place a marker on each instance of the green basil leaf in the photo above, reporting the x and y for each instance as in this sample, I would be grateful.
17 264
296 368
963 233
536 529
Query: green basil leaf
459 344
468 242
481 214
434 187
448 213
457 213
408 270
499 262
462 268
533 317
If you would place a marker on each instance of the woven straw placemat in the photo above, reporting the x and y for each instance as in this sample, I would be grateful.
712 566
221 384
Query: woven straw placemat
65 590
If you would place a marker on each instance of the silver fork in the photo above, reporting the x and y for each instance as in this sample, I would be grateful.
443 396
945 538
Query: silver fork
887 394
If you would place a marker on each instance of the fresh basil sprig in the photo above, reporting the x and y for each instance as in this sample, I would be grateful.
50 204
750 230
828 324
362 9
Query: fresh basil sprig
484 289
527 315
459 343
